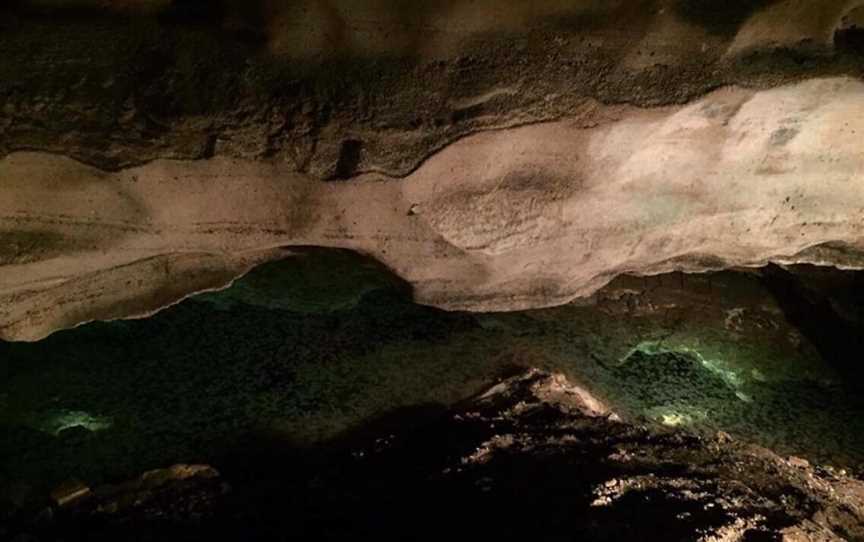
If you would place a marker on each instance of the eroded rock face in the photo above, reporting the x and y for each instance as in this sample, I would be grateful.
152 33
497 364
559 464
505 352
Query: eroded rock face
504 220
496 157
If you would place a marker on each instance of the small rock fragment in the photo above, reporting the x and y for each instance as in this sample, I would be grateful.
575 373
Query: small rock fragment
799 462
69 493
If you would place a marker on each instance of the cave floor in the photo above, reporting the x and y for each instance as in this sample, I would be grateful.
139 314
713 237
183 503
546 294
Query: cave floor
318 349
535 457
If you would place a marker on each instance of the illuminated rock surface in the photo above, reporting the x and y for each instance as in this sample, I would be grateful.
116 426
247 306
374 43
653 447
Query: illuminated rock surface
515 157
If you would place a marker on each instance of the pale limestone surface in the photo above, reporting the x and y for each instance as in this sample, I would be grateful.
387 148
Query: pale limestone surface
510 219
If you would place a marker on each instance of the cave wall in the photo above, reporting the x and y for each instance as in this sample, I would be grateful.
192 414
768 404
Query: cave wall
495 156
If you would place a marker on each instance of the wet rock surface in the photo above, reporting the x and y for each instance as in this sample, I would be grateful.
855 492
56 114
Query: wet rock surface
535 457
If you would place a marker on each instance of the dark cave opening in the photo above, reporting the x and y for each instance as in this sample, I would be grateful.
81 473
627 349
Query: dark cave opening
827 306
850 39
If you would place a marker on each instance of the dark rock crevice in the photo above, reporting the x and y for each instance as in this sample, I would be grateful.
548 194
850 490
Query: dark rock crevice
827 306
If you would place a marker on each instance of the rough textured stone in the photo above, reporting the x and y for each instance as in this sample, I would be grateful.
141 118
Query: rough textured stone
535 457
324 344
511 219
619 137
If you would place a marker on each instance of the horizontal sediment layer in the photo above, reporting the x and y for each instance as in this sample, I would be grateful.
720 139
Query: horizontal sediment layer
508 219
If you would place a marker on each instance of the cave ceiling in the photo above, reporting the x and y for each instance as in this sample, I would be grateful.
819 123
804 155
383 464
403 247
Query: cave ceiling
495 156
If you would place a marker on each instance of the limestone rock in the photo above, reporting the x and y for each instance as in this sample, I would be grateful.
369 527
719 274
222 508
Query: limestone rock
495 156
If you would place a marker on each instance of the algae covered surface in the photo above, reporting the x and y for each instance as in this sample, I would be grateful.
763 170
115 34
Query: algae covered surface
322 345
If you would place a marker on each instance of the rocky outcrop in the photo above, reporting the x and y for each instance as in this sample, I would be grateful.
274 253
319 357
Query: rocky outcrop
495 157
535 457
323 344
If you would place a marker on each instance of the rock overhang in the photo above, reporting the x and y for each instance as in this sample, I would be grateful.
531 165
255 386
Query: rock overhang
519 159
